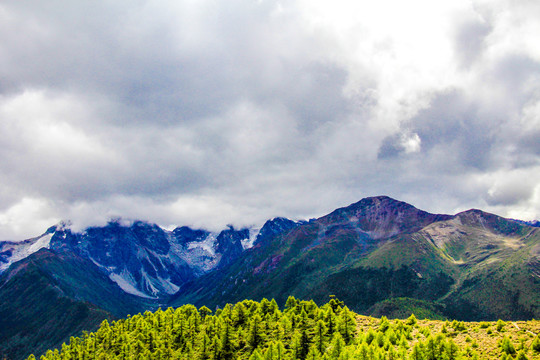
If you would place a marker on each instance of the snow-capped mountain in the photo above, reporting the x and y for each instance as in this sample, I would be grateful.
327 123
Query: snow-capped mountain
141 258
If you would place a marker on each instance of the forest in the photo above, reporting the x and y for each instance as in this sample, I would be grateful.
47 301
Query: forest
251 330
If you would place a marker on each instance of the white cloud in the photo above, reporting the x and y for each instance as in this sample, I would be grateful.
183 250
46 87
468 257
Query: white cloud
208 113
28 218
411 143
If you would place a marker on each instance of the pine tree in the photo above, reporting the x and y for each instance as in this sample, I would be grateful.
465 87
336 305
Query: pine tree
417 352
295 347
507 346
412 320
363 351
380 339
392 354
239 314
319 338
204 311
290 305
347 326
384 324
391 335
451 350
313 354
431 349
536 344
203 352
335 304
269 354
254 337
370 336
330 319
304 343
521 355
274 308
225 345
336 346
256 355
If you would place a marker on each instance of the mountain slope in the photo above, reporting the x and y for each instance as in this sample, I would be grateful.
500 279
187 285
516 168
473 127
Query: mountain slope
142 258
139 258
48 297
306 260
379 249
63 282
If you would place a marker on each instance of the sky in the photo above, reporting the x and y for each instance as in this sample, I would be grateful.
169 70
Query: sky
207 113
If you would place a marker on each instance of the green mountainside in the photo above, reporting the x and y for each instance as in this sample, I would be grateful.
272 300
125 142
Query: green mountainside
48 297
471 266
252 330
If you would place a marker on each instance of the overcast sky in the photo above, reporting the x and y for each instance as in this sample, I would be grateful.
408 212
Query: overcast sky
207 113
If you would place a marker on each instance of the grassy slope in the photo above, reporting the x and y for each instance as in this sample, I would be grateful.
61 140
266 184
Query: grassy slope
402 308
480 337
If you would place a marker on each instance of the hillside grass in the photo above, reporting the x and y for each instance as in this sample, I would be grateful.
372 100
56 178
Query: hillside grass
480 338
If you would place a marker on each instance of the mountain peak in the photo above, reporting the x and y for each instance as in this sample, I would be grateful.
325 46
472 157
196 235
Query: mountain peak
494 223
383 217
272 228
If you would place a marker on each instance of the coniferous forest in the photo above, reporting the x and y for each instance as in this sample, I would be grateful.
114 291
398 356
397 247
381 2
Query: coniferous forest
253 330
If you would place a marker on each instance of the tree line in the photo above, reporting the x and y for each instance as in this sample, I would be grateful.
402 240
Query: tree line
251 330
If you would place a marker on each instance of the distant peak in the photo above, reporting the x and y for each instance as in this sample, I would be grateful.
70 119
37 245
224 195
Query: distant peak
383 216
382 201
61 226
474 214
493 222
472 211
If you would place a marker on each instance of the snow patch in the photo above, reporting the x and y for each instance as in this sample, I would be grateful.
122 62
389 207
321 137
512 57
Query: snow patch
248 242
21 250
207 244
167 285
125 282
42 242
147 283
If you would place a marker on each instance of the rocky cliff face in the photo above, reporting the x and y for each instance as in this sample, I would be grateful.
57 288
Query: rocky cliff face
275 227
141 258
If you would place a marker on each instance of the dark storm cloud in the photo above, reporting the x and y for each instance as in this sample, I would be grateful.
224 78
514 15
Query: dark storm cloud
455 125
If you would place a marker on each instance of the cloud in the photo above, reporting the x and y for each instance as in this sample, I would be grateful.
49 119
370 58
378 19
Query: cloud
28 216
207 113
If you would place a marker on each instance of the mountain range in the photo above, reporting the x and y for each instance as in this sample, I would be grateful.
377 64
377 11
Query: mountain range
379 255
